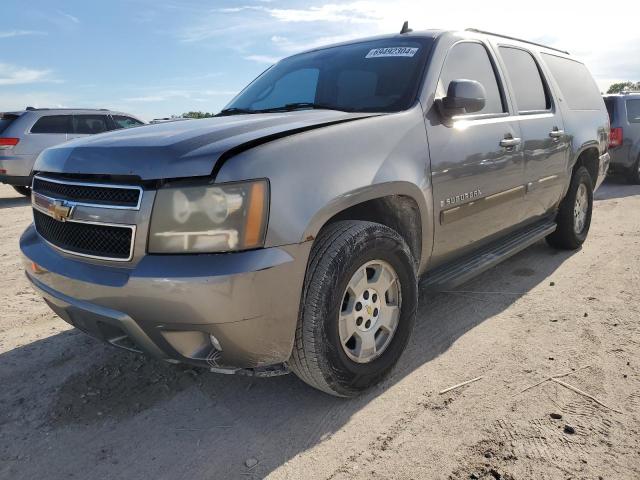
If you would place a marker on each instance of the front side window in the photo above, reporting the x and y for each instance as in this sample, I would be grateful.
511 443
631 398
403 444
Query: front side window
89 124
122 121
53 124
527 84
374 76
633 111
470 61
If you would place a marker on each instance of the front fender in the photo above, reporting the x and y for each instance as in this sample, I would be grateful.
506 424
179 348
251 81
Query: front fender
314 175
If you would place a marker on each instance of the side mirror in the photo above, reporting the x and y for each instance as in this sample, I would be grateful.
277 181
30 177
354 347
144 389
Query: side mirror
463 97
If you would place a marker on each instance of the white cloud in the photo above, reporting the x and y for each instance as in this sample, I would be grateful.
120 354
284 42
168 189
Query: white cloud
610 49
20 33
15 75
164 95
68 16
19 101
262 58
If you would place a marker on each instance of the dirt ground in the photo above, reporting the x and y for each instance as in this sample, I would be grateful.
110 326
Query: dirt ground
73 408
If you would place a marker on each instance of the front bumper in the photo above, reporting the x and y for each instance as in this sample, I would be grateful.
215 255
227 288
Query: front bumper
168 306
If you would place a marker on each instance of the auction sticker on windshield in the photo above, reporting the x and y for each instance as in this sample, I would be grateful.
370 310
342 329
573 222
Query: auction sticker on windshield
392 52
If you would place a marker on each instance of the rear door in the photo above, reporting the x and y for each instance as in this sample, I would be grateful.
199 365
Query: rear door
89 124
477 162
545 144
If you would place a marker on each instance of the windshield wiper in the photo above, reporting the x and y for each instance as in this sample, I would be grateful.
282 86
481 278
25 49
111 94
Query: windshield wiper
303 105
235 111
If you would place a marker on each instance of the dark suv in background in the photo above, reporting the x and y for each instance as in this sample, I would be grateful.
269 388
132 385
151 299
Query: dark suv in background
624 141
24 134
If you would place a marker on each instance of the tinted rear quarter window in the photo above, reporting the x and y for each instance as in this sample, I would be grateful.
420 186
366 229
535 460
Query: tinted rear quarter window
6 120
89 124
470 61
611 108
577 86
526 82
633 111
52 124
122 121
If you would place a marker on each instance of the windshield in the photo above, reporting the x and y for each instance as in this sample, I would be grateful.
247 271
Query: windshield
374 76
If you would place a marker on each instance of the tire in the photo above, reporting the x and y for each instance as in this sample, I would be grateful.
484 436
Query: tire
571 233
634 173
26 191
340 253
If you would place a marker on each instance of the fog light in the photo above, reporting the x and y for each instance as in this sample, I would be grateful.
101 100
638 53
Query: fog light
215 343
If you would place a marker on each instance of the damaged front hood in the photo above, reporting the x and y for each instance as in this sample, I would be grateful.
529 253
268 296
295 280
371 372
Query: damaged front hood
179 149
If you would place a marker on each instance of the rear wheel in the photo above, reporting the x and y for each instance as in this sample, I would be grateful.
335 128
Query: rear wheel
574 214
634 173
26 191
358 308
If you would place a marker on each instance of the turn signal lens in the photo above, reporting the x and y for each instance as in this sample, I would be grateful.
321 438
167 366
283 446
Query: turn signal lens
8 142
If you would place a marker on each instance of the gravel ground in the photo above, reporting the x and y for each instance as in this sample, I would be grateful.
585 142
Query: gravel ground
71 407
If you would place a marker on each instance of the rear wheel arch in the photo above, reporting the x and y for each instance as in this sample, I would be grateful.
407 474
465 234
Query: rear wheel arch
589 158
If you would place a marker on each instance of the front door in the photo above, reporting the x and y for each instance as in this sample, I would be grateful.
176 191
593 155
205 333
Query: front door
476 160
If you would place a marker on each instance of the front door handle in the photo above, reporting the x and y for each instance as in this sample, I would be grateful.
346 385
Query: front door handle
556 133
510 142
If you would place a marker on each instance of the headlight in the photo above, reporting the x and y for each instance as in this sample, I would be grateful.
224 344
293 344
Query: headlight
209 218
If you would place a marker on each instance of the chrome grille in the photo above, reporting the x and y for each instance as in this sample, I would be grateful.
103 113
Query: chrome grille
86 219
91 194
87 239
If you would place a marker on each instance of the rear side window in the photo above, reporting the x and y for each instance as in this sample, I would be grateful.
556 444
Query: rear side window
633 111
470 61
89 124
528 86
125 122
611 108
5 121
52 124
576 83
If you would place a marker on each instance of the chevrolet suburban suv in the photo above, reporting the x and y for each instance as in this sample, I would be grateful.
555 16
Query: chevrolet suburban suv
26 133
289 233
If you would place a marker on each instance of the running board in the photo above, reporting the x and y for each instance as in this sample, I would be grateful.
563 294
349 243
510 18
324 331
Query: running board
453 274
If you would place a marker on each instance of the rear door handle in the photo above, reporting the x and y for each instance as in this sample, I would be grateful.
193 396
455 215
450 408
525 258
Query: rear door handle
556 133
510 142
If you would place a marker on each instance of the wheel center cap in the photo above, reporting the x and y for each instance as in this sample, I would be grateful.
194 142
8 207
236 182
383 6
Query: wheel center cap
367 310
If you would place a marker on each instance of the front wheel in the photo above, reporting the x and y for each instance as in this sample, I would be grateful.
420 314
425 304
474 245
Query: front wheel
358 308
574 214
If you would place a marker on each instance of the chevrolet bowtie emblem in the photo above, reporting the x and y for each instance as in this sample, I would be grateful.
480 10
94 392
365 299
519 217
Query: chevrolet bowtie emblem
59 210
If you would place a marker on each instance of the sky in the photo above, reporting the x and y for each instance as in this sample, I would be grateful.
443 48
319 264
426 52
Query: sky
155 58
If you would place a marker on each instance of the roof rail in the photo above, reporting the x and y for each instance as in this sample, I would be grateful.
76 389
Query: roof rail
68 108
516 39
